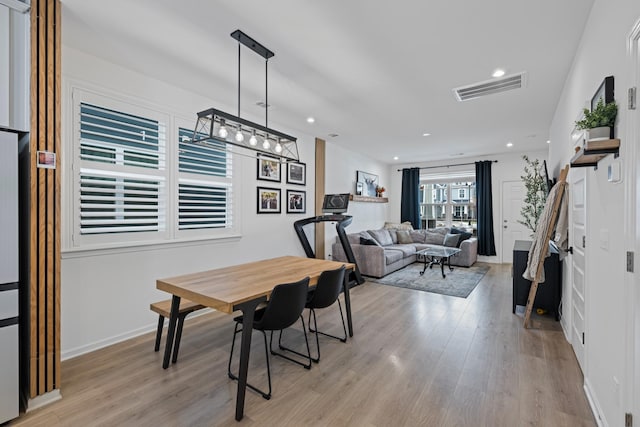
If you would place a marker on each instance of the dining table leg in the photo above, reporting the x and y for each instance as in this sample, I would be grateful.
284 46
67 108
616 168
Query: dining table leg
248 310
347 303
171 331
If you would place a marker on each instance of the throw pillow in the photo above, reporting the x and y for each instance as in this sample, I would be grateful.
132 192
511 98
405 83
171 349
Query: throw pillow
404 236
395 226
451 240
433 238
381 236
365 241
417 236
463 235
394 235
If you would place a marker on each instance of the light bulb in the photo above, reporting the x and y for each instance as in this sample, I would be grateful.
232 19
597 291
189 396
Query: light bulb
239 135
278 148
265 144
222 132
253 140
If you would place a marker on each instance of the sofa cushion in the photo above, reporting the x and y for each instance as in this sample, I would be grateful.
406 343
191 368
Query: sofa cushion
407 250
394 235
464 235
404 236
396 226
381 236
433 238
417 236
439 230
392 256
451 240
368 241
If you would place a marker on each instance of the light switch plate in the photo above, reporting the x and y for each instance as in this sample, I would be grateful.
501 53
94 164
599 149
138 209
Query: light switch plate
613 172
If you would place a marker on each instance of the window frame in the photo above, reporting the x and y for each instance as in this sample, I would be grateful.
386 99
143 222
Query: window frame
73 240
449 204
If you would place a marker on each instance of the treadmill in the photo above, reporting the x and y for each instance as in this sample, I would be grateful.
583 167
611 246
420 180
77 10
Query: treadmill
334 206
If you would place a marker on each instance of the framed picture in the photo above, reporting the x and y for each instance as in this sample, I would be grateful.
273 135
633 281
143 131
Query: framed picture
604 92
369 182
46 159
296 201
268 168
268 200
297 173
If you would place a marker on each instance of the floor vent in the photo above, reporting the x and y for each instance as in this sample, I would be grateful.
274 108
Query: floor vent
489 87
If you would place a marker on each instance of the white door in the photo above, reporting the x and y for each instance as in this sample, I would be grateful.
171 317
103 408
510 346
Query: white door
513 194
577 236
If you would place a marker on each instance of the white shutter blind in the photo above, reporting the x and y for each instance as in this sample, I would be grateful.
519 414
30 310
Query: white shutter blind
118 203
204 184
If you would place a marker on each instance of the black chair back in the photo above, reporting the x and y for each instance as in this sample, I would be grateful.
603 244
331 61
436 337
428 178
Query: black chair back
328 288
285 306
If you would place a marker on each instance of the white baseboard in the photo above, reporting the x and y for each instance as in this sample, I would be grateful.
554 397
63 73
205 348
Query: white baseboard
595 407
43 400
97 345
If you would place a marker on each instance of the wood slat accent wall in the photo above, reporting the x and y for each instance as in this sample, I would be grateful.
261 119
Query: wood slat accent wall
320 174
45 219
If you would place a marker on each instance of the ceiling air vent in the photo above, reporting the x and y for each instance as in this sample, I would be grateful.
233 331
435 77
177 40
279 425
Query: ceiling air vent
503 84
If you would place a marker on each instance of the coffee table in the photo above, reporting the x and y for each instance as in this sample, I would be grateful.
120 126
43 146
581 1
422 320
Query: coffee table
436 255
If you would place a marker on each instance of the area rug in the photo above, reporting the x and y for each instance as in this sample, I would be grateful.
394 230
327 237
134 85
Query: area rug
460 281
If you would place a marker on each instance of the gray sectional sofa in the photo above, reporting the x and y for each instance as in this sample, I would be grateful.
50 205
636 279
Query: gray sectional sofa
379 252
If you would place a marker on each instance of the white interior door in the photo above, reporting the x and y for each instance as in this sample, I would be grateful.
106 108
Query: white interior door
577 235
513 194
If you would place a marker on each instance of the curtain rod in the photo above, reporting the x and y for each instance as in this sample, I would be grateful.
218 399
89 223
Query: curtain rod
447 166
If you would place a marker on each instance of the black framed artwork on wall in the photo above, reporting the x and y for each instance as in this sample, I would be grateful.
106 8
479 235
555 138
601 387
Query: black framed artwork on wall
297 173
268 169
268 200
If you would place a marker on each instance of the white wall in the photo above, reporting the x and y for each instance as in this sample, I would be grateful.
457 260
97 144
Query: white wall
602 52
106 294
510 167
340 177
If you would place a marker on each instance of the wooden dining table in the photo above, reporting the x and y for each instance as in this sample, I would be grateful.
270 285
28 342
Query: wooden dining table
242 287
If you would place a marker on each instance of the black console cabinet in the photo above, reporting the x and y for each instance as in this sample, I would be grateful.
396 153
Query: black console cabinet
549 292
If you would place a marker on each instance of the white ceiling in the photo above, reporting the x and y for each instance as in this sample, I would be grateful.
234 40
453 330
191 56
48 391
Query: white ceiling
378 74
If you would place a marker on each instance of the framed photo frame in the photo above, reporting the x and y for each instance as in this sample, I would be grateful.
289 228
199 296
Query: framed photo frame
268 200
268 169
604 92
369 182
297 173
296 201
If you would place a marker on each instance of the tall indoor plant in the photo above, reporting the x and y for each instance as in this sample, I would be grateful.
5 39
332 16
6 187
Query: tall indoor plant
536 194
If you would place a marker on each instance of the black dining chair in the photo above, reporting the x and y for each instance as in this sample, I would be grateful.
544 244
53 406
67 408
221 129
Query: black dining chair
324 295
284 308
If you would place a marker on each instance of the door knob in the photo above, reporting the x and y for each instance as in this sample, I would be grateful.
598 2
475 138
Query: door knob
505 226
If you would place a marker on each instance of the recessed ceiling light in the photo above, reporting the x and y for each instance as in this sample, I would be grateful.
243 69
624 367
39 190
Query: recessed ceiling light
310 120
498 73
426 134
395 157
548 141
509 144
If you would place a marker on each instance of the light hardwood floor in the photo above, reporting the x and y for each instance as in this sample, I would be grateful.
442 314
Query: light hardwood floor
417 359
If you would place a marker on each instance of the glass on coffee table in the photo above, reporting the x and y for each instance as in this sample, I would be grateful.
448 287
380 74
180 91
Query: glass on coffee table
438 255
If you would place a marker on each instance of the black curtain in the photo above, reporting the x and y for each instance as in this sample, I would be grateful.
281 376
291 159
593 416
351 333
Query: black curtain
410 203
486 244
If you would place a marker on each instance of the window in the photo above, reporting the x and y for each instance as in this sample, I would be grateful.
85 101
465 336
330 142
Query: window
448 202
204 184
125 188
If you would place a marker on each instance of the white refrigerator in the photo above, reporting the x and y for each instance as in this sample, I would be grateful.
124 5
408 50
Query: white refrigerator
9 285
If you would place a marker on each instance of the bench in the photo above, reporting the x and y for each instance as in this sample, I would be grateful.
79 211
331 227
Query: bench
163 308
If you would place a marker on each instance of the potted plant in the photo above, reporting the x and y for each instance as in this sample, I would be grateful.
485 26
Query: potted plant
533 203
598 123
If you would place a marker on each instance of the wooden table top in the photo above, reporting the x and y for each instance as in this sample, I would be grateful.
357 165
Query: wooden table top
224 288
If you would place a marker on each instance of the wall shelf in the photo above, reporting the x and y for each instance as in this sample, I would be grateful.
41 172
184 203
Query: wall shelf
368 199
594 151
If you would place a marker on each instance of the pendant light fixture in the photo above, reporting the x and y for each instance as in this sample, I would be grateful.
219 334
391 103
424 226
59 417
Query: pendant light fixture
217 126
